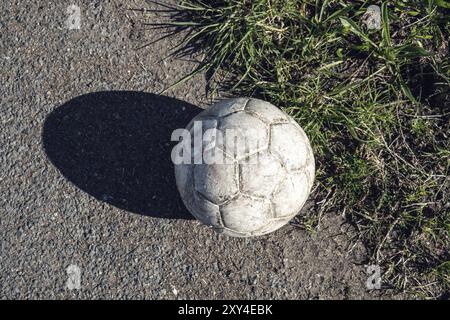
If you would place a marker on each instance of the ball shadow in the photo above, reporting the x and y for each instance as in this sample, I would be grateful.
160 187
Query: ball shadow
116 146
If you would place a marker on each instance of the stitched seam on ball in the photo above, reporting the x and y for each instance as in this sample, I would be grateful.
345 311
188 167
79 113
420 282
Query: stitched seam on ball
202 196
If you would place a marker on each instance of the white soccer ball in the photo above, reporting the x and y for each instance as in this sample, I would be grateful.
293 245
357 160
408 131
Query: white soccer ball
257 180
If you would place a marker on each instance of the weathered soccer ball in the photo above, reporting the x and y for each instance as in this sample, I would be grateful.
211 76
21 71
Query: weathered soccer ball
266 174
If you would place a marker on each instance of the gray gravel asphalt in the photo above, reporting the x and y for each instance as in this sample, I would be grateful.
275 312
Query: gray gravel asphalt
86 178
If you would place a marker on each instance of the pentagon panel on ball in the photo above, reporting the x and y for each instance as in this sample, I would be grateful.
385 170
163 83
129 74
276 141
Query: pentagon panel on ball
251 168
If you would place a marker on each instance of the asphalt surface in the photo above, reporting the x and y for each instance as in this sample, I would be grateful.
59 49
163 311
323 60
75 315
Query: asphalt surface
86 181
